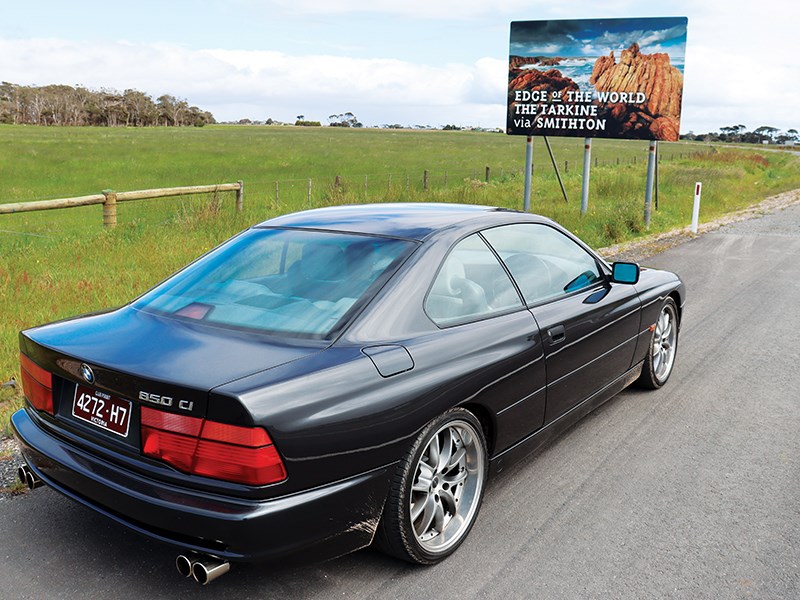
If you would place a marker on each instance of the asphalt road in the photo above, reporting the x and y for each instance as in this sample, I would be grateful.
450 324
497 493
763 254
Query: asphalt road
689 492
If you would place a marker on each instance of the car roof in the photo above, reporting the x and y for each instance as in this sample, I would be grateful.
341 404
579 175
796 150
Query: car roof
414 221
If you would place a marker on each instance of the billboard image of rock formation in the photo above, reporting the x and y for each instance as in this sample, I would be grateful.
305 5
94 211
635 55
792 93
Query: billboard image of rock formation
612 78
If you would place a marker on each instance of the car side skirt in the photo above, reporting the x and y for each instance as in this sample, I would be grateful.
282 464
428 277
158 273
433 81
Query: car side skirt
552 430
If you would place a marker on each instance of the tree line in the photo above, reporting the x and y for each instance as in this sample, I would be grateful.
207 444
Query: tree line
740 135
67 105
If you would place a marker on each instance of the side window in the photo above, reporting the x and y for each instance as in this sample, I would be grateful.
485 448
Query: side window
544 262
470 285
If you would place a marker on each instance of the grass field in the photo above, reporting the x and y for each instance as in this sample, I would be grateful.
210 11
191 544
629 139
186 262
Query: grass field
59 263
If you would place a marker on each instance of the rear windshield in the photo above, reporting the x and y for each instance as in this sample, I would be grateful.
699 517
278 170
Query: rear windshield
283 281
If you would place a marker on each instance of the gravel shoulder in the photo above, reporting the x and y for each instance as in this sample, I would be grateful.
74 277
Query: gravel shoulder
10 461
637 251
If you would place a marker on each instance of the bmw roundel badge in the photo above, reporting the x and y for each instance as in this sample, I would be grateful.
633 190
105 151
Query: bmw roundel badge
87 373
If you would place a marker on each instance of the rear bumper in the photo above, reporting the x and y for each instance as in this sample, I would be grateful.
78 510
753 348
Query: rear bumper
320 523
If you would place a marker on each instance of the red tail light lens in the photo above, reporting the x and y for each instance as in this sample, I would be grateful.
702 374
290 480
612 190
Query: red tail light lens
37 384
228 452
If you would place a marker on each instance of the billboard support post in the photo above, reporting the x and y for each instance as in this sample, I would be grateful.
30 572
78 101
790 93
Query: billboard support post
555 168
651 169
528 169
656 176
587 168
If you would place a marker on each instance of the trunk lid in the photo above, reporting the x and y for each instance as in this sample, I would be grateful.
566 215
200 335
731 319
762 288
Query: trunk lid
149 360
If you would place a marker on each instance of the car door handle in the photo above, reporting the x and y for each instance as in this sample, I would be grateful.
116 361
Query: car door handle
557 334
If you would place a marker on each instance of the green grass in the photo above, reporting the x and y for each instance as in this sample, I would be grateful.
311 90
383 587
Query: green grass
55 264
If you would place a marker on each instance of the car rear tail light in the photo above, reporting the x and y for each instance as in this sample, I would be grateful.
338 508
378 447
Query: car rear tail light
37 384
229 452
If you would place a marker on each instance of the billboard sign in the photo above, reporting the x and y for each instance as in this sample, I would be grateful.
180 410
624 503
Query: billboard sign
610 78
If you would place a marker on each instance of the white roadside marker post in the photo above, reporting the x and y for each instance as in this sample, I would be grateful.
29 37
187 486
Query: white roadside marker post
696 210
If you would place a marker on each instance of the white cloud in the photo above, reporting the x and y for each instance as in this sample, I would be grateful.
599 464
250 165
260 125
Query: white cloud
226 81
418 9
729 87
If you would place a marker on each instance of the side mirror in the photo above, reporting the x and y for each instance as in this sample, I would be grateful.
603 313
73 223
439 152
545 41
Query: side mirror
625 272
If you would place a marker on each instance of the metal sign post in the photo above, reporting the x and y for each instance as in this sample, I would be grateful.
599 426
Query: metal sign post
587 167
651 169
528 169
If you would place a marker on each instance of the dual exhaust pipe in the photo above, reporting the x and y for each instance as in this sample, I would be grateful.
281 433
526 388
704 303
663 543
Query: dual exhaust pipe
28 477
203 569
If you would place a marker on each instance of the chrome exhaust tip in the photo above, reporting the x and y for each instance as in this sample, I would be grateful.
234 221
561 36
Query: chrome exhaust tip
28 477
207 569
184 565
22 474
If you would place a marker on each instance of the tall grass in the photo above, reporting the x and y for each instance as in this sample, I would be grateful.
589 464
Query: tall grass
60 263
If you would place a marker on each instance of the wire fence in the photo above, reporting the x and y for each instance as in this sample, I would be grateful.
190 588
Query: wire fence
267 195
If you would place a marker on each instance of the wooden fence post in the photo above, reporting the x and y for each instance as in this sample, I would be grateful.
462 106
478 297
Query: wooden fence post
487 173
337 182
240 196
277 195
425 180
110 208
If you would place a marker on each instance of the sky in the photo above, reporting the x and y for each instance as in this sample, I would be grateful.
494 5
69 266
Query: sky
591 38
413 62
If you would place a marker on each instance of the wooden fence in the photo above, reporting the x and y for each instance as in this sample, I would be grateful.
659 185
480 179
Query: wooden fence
110 198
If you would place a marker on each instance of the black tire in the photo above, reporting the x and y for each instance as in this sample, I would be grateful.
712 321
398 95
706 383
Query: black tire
660 359
437 491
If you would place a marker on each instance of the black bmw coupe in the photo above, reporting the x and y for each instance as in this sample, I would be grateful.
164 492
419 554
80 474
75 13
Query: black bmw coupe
335 378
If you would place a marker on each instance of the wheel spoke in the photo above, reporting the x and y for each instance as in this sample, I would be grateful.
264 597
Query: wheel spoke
422 485
659 327
456 458
438 517
417 508
433 453
446 450
428 514
448 501
453 478
425 470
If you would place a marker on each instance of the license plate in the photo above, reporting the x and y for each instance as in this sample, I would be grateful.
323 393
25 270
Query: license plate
102 410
